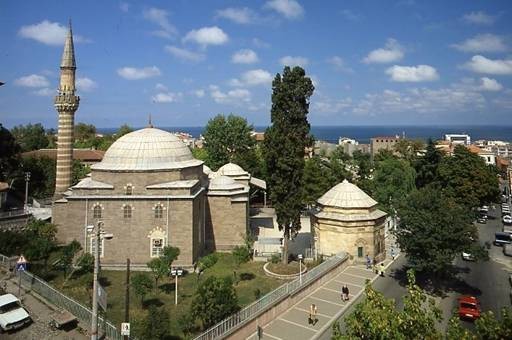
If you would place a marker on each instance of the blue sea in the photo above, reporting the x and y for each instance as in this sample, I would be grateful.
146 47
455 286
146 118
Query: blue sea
364 133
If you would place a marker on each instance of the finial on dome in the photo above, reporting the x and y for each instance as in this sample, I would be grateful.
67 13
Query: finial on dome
150 125
345 181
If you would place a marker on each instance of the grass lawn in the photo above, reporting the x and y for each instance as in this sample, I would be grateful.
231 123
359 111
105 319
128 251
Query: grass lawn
250 275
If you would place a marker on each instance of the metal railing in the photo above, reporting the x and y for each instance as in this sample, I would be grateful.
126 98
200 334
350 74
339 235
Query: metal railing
32 282
14 213
269 300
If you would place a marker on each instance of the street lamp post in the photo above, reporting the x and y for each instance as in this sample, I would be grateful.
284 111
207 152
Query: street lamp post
27 179
99 236
300 268
176 272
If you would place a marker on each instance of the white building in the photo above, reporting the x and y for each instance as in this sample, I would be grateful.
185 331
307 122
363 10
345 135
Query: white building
458 139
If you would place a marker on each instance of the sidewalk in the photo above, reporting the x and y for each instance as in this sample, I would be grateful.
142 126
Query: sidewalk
293 324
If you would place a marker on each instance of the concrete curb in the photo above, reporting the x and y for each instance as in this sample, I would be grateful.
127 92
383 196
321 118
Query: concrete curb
336 316
282 276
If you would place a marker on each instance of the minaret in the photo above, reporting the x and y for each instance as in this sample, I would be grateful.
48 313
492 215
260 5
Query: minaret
66 103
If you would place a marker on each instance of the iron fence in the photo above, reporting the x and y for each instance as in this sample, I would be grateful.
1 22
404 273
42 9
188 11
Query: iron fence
33 283
269 300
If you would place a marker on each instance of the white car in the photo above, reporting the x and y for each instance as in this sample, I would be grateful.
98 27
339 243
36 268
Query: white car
467 257
12 314
507 219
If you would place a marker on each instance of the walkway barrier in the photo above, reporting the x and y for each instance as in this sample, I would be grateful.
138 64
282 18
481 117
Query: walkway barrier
33 283
237 320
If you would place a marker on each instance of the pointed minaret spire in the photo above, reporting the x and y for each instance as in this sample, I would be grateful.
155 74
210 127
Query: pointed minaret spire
68 56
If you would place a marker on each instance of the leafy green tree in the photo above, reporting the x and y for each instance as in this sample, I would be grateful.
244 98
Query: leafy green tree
377 317
466 177
228 139
170 255
206 262
79 171
316 180
30 137
9 161
427 167
214 300
86 263
123 130
284 148
84 134
42 176
393 179
200 153
408 149
187 323
489 327
434 229
157 324
141 284
69 252
41 240
159 269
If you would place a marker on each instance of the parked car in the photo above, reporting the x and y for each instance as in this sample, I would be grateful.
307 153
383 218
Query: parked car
469 308
482 220
501 238
12 314
468 256
507 250
507 219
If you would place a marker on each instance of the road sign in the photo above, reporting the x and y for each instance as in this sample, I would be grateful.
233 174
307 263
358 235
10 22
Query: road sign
21 264
102 297
125 328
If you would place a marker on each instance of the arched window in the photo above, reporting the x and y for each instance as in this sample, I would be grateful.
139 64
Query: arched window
159 211
129 189
96 211
127 211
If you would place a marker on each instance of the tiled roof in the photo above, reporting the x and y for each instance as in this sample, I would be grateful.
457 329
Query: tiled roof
346 195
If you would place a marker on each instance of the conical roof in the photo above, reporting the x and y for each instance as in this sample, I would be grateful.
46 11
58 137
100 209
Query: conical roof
68 56
347 195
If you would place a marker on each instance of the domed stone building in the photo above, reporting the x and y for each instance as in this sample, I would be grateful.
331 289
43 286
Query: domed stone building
150 192
347 219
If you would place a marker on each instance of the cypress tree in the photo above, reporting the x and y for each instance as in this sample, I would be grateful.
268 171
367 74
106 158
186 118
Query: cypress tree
285 146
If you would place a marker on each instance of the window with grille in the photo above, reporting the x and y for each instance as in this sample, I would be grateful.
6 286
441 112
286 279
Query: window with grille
129 189
127 211
157 247
97 211
159 211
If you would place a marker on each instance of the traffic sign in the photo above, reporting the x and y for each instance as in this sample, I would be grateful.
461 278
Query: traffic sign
125 328
21 264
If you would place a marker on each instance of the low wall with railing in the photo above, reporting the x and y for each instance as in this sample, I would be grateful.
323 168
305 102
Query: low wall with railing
244 323
31 282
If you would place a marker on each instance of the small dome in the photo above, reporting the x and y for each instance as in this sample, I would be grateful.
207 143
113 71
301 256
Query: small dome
231 169
347 195
224 183
147 149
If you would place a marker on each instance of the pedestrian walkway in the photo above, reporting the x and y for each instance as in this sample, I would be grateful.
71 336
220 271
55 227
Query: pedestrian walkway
293 324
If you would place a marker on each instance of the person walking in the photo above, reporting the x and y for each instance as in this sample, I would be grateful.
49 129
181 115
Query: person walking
393 252
382 269
313 310
368 261
344 292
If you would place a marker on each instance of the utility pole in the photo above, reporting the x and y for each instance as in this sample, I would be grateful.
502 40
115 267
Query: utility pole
27 179
127 297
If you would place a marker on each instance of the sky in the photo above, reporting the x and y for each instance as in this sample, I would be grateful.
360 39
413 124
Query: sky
403 62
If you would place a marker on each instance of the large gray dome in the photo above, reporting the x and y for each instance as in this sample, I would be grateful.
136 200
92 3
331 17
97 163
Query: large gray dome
147 149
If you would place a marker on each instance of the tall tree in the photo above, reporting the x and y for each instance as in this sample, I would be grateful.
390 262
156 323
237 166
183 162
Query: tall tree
156 325
228 139
466 177
9 161
433 229
214 300
393 180
427 167
30 137
284 148
159 269
316 180
408 149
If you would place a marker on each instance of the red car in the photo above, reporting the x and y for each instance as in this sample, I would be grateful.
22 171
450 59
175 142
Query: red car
469 308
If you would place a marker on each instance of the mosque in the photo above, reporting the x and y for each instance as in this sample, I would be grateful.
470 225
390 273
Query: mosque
149 192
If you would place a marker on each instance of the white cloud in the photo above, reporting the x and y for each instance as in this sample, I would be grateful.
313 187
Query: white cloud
252 78
33 80
207 36
85 84
480 64
479 18
482 43
132 73
412 73
391 52
489 84
45 92
199 93
350 15
160 17
339 64
161 87
184 54
235 96
49 33
245 56
294 61
239 15
166 97
124 6
290 9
